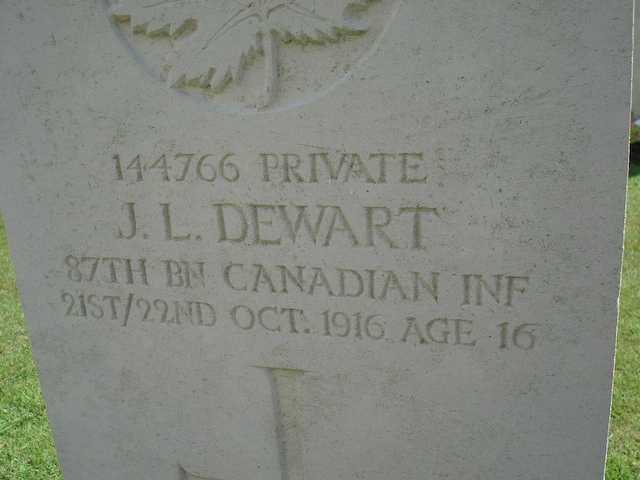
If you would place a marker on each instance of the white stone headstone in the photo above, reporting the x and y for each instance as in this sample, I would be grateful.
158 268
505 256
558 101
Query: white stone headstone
319 239
635 103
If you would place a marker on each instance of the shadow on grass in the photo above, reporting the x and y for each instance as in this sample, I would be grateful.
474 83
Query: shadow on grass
634 159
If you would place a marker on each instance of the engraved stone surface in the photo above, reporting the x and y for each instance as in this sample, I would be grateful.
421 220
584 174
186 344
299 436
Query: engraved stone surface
319 239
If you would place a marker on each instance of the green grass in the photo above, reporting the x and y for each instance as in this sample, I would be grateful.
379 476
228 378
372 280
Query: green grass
26 448
624 439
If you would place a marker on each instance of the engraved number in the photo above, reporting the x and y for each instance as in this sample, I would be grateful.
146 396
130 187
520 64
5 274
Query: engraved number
188 157
522 337
161 306
136 166
142 303
68 298
72 311
161 164
341 324
207 167
229 170
74 273
118 165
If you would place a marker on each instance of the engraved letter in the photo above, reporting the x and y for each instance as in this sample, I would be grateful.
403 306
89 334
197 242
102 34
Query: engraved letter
377 227
227 277
257 222
407 177
480 285
359 283
413 329
222 223
291 167
142 270
302 219
417 223
459 332
512 286
445 330
432 288
262 320
344 227
168 228
133 224
266 166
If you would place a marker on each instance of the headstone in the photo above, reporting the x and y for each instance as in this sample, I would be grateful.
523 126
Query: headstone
304 239
635 104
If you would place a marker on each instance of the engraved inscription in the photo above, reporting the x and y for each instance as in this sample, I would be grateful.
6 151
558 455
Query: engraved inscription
107 269
323 166
413 329
322 225
297 167
178 167
144 309
339 282
388 303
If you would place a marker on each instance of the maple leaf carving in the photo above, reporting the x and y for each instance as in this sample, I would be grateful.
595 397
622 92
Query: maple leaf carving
217 39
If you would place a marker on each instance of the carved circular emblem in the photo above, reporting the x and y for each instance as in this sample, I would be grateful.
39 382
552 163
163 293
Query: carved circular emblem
250 55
